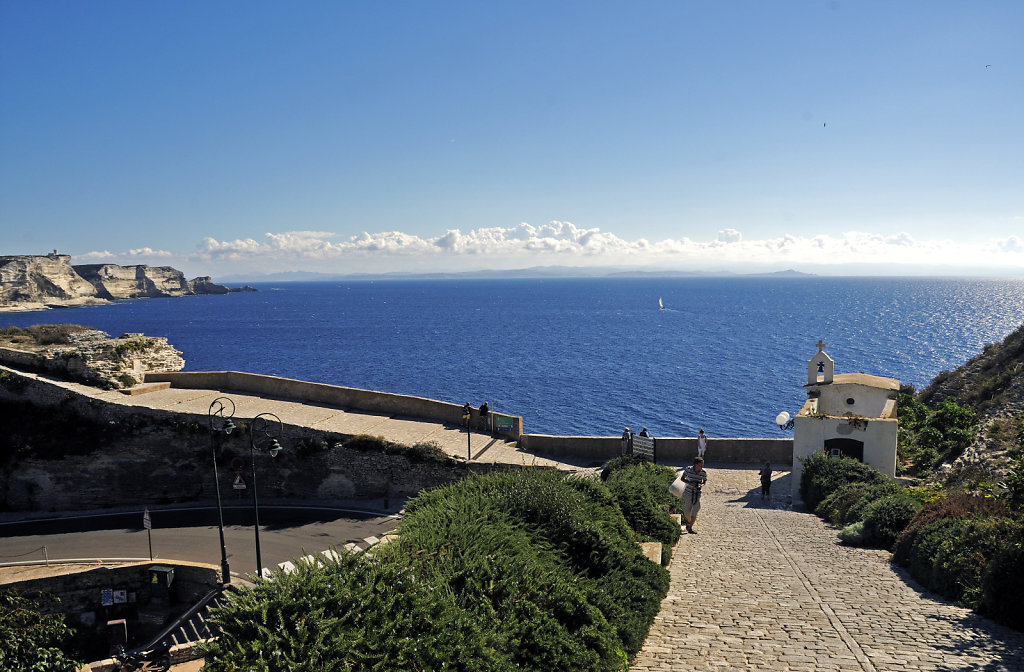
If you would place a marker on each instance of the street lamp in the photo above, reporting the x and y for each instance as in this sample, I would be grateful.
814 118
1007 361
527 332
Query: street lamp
219 408
262 424
784 421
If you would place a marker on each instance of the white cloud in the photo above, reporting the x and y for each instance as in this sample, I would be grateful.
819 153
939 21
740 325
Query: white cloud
563 243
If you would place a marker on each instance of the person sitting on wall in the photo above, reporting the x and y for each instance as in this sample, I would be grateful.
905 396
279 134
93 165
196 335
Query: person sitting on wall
643 432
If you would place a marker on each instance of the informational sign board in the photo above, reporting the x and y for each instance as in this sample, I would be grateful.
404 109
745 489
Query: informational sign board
503 423
643 446
147 522
107 596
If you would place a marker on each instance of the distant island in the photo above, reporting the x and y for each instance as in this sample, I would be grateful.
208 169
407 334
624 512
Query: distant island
535 272
38 282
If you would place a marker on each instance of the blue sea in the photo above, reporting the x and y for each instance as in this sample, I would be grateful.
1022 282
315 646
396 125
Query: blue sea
583 356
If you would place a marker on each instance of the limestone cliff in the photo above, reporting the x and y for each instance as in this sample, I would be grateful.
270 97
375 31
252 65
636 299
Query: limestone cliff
36 282
132 282
40 281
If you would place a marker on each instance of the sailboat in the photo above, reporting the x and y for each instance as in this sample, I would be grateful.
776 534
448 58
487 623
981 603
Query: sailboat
661 306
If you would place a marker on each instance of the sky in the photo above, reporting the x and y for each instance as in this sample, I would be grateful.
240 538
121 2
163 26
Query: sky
227 138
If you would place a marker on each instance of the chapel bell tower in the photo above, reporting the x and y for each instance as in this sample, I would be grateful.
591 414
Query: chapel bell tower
820 368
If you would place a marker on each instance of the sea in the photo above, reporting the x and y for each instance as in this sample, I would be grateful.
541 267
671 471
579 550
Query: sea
582 356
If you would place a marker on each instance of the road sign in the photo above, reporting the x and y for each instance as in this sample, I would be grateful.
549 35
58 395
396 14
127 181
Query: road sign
147 524
239 484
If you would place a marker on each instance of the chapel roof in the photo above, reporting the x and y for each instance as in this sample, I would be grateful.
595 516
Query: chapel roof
861 379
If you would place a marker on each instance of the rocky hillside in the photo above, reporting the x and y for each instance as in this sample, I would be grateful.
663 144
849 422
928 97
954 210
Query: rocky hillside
36 282
992 383
88 355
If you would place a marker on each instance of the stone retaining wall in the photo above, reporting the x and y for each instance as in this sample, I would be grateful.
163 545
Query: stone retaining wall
669 450
150 457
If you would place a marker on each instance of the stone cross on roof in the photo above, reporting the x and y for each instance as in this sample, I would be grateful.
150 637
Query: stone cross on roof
821 345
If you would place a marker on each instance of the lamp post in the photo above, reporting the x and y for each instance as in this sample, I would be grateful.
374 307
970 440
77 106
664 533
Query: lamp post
784 421
219 408
262 423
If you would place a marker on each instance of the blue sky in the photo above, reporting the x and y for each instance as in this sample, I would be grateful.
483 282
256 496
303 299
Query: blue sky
226 138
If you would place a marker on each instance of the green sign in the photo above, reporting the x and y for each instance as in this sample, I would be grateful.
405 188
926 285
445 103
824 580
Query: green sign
503 423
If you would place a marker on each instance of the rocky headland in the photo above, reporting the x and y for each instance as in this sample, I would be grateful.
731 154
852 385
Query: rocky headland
87 355
37 282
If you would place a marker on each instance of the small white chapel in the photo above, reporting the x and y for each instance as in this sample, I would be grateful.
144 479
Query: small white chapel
852 415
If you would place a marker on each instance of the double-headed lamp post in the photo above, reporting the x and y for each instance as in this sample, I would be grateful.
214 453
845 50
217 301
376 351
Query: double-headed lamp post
262 424
222 407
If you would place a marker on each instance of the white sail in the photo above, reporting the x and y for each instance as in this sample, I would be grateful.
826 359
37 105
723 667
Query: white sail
661 306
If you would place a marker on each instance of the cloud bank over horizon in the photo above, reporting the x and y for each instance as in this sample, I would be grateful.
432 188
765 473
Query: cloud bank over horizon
563 243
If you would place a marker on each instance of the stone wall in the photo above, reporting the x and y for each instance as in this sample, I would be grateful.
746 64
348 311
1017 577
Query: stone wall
335 395
151 457
670 450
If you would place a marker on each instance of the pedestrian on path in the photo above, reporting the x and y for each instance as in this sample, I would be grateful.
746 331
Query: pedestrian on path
694 477
766 481
467 410
626 438
702 443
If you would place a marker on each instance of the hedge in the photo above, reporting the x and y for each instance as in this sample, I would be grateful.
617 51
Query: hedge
526 570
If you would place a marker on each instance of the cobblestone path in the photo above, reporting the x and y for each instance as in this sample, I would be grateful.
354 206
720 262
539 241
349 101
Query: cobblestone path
762 588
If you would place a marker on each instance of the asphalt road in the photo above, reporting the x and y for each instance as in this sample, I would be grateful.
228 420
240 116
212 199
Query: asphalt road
285 534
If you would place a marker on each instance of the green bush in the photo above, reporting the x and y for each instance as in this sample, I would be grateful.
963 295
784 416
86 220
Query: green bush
352 614
956 505
886 518
1003 583
524 569
641 493
822 475
853 534
871 494
33 641
548 563
835 506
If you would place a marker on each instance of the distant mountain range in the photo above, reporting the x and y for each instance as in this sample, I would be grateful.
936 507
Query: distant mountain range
536 272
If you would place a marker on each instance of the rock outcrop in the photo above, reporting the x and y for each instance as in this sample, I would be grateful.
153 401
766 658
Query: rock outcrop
89 355
31 282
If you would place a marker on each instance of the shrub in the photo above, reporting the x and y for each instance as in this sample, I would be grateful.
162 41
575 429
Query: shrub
53 334
872 493
957 505
547 562
641 493
886 518
853 534
1014 495
368 615
31 640
835 506
822 475
622 462
1003 583
952 555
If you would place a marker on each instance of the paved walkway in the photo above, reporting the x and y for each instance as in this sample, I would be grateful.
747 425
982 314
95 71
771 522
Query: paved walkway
480 447
761 588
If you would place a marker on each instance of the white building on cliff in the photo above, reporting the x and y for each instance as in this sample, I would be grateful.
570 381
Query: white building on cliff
851 415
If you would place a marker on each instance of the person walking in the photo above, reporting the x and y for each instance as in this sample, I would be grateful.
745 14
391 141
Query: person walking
766 481
694 477
702 443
